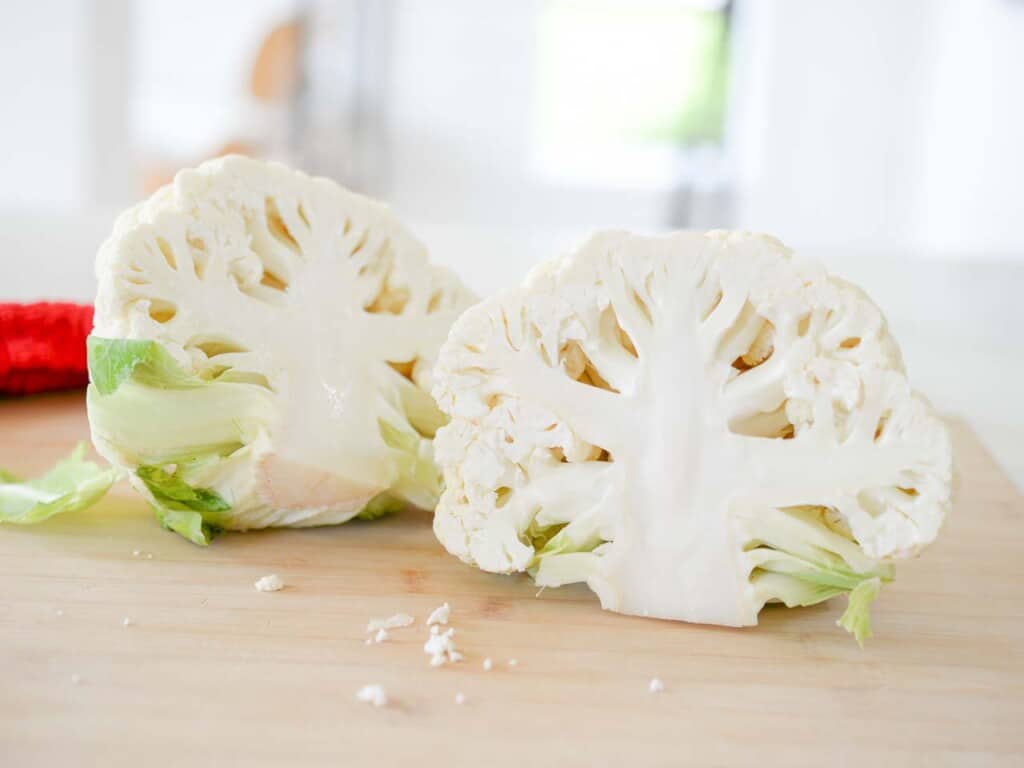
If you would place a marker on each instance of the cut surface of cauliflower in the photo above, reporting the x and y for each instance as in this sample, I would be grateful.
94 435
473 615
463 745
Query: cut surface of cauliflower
262 348
694 425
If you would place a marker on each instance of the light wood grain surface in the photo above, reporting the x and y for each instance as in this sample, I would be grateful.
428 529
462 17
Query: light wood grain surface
213 672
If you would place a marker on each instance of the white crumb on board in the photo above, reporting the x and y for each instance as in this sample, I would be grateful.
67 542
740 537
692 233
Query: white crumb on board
59 612
269 583
381 636
439 615
127 621
76 678
656 686
488 664
513 662
372 694
460 698
391 622
440 646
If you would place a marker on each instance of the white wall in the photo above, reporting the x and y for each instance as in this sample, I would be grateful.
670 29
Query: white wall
190 79
460 125
971 197
44 124
457 93
88 84
882 126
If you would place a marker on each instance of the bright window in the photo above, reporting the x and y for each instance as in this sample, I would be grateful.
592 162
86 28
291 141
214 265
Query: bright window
625 89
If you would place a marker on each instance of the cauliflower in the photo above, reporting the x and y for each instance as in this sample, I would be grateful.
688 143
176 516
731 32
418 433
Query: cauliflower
694 425
262 351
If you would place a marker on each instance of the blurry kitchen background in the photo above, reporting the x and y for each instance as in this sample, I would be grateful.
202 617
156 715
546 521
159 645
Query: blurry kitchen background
885 137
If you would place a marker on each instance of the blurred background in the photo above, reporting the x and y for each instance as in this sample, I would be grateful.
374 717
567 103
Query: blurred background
885 138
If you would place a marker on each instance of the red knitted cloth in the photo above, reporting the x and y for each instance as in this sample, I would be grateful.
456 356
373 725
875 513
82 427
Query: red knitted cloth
42 347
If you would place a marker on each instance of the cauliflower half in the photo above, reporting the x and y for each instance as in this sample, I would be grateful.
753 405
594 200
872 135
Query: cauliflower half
694 425
262 351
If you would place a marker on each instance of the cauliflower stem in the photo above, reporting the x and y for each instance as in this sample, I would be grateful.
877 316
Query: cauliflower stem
188 435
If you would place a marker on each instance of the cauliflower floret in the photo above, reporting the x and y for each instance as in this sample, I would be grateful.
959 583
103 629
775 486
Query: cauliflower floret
262 351
694 425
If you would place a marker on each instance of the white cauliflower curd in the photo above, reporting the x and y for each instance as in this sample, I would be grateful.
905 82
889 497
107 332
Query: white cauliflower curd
263 341
694 425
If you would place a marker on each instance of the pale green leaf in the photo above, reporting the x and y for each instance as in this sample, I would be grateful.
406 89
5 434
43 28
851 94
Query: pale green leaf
857 618
73 484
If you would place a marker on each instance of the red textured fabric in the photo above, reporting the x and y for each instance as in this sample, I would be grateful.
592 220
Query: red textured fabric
42 347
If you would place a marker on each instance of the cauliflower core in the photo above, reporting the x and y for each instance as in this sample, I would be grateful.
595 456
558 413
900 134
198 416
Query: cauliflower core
263 341
694 425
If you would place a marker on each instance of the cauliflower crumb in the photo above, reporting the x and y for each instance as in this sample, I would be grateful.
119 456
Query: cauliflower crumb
488 664
127 621
59 612
441 648
439 615
460 698
269 583
381 636
373 694
513 662
392 622
656 686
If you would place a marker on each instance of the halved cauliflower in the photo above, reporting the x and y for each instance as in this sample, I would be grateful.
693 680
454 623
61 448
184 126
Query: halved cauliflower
694 425
263 341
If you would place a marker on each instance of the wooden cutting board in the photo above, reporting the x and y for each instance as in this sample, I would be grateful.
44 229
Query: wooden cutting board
213 672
